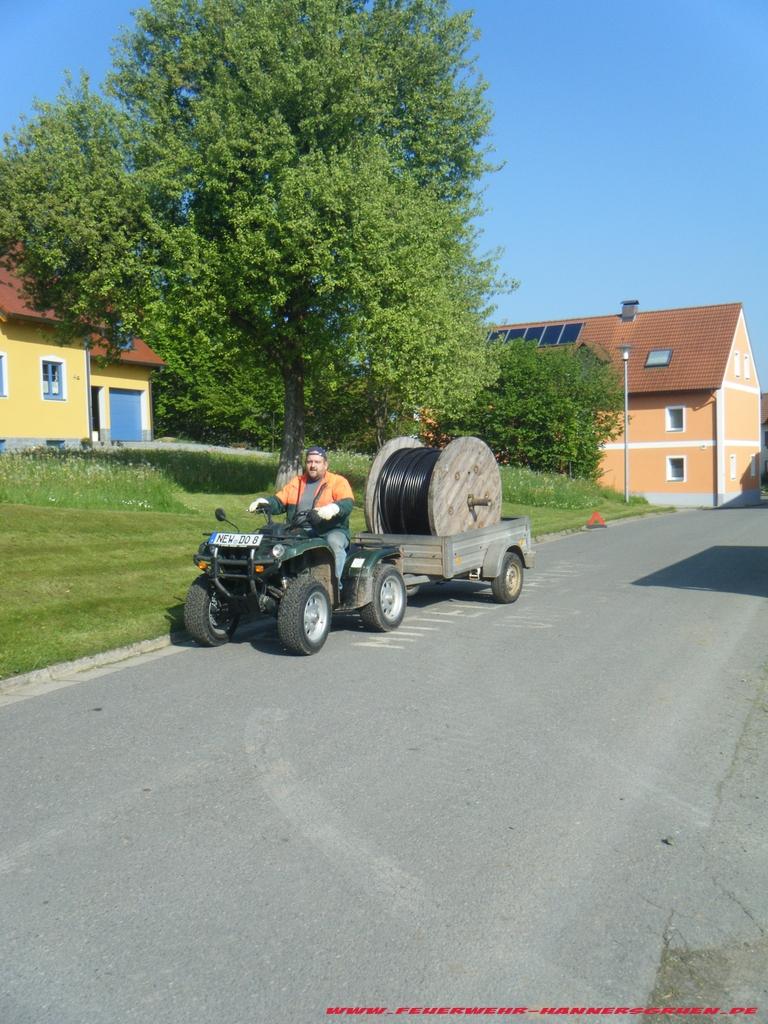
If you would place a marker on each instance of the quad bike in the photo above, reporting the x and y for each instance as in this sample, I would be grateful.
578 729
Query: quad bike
287 570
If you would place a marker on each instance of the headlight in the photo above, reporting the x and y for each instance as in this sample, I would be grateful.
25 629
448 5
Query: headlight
278 550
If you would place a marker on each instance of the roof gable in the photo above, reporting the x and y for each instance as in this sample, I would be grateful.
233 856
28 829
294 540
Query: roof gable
700 339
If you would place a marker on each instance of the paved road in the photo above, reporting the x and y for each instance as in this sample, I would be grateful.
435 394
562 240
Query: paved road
558 803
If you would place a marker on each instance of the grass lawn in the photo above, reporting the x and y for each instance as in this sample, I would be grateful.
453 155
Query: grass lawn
75 582
78 581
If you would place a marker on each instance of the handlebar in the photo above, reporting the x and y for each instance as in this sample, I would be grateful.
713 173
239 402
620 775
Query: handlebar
301 520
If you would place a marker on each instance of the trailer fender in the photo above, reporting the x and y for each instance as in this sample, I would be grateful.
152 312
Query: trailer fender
495 555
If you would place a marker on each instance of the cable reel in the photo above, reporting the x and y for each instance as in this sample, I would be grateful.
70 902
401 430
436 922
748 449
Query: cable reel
414 489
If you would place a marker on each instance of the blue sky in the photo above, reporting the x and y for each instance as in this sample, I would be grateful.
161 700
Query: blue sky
632 137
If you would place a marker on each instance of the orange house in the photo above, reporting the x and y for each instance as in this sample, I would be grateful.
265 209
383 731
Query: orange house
693 396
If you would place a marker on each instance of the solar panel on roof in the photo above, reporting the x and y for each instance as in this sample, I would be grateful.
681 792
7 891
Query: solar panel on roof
570 333
551 334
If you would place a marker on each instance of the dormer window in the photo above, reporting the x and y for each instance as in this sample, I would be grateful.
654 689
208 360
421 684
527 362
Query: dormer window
658 357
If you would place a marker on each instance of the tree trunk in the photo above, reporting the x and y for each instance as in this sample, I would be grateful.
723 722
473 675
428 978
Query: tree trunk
381 420
293 431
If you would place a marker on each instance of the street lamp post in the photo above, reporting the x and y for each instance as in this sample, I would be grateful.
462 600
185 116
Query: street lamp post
625 350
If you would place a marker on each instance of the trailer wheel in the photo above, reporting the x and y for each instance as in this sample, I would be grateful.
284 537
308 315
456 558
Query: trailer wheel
387 609
208 617
507 585
304 616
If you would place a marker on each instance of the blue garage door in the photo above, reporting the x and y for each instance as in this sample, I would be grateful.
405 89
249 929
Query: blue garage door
124 414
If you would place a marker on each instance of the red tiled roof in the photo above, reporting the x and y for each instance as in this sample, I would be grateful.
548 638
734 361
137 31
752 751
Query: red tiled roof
141 354
15 303
700 338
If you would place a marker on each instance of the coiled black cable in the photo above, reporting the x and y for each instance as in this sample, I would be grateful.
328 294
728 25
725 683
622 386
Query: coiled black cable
402 490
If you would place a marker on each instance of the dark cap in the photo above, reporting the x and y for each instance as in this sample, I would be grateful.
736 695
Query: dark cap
317 449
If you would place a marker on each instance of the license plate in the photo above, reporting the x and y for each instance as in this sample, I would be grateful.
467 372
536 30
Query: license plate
236 540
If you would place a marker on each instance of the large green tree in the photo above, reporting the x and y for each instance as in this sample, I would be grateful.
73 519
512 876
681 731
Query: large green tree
289 183
548 409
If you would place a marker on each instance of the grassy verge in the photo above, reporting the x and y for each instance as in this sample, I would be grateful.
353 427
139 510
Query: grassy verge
75 584
79 582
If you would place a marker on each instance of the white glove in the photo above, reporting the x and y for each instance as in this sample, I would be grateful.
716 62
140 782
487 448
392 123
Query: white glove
258 505
328 511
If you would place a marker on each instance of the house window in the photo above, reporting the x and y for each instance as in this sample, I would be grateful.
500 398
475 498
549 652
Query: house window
736 364
3 375
765 439
732 462
675 417
54 444
753 466
676 468
2 446
746 367
658 357
53 379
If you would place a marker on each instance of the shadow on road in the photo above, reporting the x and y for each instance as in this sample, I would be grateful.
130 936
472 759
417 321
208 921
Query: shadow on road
261 633
729 570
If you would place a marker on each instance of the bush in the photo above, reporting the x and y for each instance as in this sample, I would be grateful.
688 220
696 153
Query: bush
549 410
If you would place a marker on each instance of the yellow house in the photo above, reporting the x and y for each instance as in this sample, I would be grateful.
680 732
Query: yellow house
694 400
61 395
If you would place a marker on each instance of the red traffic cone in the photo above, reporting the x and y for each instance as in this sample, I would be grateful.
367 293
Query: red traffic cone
596 522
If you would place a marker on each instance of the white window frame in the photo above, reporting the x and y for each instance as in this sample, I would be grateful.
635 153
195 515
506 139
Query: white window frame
736 365
62 378
677 479
3 374
668 416
747 371
732 468
753 466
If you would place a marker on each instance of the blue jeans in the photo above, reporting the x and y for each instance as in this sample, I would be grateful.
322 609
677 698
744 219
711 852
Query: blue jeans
338 543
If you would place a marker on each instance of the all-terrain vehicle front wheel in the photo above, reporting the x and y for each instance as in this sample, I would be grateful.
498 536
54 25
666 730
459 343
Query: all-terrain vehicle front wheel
208 617
304 616
387 609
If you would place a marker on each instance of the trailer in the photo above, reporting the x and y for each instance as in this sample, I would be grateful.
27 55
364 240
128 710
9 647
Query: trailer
497 554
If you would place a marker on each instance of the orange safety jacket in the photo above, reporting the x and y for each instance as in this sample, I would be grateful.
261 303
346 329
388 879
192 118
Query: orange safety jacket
334 488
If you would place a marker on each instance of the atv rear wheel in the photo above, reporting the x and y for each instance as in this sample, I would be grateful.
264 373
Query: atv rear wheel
207 616
387 609
304 616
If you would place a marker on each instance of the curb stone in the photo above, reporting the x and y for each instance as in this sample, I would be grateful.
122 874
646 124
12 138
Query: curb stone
64 669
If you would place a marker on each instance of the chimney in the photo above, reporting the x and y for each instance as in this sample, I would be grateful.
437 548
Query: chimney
629 310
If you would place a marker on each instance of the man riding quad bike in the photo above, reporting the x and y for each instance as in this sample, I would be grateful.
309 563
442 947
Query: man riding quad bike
288 570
